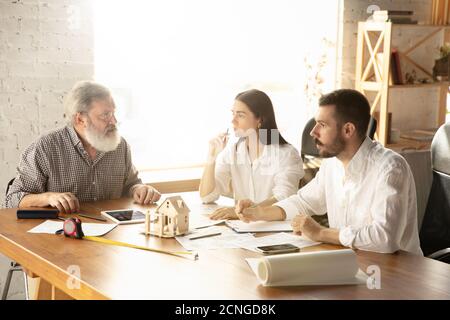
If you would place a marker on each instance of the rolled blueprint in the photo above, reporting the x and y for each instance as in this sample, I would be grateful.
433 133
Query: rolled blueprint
308 268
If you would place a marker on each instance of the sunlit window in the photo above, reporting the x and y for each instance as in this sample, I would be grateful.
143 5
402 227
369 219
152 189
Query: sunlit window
175 66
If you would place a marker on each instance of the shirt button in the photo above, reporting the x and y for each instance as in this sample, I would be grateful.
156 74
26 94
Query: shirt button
93 182
95 199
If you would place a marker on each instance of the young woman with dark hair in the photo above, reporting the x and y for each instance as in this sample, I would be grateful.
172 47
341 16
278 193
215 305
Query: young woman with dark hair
260 168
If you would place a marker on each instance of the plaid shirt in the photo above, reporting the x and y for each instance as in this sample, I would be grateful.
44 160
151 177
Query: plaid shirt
58 162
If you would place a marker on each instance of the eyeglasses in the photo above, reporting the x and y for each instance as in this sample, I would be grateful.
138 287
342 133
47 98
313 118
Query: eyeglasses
106 117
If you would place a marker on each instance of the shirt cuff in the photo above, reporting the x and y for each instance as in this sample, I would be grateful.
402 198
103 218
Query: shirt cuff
289 208
133 187
213 196
13 200
279 196
347 236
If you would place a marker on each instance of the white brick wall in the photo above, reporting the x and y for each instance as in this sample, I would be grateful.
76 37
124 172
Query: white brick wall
45 47
355 11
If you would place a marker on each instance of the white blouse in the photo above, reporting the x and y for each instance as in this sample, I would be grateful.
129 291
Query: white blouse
372 202
276 172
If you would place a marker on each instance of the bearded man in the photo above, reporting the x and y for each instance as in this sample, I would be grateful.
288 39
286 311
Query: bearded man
87 160
367 190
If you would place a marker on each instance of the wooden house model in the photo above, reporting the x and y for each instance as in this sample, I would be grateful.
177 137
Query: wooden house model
170 219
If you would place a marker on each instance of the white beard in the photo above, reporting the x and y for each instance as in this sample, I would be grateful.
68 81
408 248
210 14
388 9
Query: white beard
103 142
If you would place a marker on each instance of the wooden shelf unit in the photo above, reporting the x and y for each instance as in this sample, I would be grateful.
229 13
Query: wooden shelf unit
375 38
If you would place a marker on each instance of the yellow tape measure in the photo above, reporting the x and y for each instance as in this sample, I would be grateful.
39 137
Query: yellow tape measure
124 244
72 228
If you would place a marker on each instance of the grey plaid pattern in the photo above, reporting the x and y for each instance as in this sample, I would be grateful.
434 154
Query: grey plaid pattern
57 162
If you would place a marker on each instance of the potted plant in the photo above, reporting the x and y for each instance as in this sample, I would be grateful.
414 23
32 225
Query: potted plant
441 65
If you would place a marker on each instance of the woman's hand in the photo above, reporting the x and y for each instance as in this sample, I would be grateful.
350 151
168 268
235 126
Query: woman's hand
217 144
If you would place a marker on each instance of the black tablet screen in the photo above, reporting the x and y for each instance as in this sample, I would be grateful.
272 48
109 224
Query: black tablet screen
126 215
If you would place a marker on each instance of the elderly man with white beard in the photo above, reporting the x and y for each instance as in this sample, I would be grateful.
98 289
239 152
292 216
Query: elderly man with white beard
87 160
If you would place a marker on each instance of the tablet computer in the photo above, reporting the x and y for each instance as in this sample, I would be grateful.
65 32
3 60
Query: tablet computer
124 216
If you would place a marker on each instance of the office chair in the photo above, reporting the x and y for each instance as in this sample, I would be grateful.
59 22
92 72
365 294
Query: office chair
14 265
372 128
435 230
309 148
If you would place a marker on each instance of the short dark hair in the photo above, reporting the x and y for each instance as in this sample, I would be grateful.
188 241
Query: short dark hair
261 106
351 106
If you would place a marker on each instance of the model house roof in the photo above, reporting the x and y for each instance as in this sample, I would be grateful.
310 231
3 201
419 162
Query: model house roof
175 202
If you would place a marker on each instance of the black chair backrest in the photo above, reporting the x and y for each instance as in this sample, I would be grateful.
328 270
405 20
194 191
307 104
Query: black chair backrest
435 230
372 128
440 149
9 185
308 145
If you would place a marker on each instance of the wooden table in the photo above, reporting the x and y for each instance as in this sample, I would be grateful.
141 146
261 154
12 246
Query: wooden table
112 272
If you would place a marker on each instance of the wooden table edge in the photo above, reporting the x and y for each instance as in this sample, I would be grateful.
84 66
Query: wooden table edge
48 271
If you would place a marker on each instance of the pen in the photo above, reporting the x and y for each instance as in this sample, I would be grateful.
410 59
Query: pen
206 236
226 135
202 227
211 224
92 217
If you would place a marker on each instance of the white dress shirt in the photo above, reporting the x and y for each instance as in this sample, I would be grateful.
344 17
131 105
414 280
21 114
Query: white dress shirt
276 173
372 202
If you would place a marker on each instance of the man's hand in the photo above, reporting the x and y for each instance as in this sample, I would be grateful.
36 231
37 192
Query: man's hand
144 194
251 214
304 224
259 213
243 204
225 213
65 202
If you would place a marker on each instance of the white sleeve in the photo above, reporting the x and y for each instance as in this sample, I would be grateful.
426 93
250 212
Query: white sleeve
389 213
286 180
222 177
310 199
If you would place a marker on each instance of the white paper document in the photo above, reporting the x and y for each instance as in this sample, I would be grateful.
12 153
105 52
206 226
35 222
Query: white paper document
278 238
259 226
331 267
228 239
89 229
199 221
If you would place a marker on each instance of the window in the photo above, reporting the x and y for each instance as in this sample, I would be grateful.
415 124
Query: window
175 66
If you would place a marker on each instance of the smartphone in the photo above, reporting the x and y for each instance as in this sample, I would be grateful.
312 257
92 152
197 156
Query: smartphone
278 248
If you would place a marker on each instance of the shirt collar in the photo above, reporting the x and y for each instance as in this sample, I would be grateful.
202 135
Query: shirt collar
356 165
243 154
73 135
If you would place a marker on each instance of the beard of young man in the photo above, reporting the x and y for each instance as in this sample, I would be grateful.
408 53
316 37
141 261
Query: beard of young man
333 149
102 141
